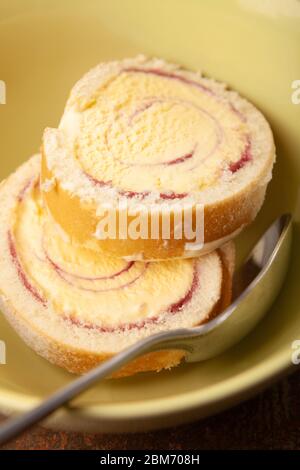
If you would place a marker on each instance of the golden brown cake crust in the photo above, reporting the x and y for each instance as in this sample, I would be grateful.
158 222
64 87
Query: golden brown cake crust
223 219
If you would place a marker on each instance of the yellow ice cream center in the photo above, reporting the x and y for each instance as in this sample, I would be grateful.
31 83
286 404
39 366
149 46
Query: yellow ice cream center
91 288
150 131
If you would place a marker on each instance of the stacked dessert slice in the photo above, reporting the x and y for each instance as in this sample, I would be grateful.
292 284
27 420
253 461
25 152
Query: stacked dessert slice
152 135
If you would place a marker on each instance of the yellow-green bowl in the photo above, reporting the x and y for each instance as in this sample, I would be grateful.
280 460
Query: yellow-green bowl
254 45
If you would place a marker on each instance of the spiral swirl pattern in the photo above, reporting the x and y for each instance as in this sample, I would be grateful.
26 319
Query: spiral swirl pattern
148 130
93 290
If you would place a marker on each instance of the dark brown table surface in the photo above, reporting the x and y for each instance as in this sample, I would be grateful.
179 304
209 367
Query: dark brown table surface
269 421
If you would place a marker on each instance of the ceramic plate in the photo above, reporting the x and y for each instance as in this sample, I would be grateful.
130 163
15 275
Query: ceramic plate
44 48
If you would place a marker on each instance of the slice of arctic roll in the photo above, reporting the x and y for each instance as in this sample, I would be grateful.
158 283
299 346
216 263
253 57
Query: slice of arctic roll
76 308
150 134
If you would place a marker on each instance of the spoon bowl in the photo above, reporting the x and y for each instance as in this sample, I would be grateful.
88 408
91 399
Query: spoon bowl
255 286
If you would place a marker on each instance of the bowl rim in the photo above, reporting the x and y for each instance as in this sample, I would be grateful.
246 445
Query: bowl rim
237 388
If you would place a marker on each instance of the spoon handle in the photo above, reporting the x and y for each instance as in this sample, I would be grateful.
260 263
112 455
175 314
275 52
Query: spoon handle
15 426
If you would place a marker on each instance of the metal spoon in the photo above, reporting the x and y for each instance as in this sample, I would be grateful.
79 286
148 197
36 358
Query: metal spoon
256 284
